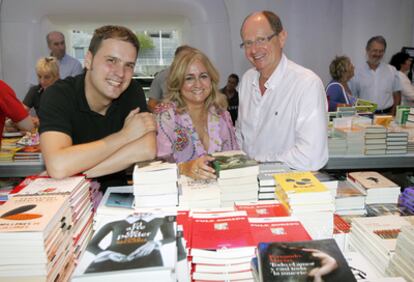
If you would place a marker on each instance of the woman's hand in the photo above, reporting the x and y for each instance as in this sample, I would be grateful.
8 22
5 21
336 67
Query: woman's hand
142 251
198 168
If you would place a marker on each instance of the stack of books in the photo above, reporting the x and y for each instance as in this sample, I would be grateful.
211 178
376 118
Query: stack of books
309 200
77 188
198 193
117 200
402 263
237 177
300 261
155 184
266 181
407 199
349 199
271 208
376 237
401 115
341 232
28 154
354 139
377 187
375 140
36 238
397 142
220 246
337 145
141 246
410 117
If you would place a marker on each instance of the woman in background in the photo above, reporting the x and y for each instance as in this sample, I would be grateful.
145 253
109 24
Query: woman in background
402 62
47 70
337 91
193 121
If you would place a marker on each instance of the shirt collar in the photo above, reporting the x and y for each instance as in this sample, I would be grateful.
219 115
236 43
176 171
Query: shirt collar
276 75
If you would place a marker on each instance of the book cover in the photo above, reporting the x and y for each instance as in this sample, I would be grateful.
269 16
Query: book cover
28 214
299 182
280 229
217 231
232 163
41 185
262 208
318 260
371 180
136 242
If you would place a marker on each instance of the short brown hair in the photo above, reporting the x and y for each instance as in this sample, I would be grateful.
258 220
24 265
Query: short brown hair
339 66
272 18
114 32
176 79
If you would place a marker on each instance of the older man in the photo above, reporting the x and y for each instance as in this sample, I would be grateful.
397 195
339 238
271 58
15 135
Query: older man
68 66
282 110
375 80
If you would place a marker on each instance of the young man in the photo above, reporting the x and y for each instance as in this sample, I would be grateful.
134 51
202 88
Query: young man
94 123
377 81
68 66
282 109
232 95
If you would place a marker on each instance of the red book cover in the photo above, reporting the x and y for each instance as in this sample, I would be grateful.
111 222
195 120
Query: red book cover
340 225
217 231
262 208
281 229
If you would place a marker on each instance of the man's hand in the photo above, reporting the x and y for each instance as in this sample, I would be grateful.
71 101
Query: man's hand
138 124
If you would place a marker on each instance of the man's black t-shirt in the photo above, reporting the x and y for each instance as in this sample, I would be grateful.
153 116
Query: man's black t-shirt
64 108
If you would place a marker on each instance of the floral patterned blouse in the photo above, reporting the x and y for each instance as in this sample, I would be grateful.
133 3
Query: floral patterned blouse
178 138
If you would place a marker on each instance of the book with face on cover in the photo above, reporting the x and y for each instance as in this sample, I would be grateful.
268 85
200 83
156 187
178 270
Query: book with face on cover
371 180
317 260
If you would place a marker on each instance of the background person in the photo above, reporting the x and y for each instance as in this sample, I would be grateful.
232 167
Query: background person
47 70
375 80
337 91
402 62
230 90
193 122
11 107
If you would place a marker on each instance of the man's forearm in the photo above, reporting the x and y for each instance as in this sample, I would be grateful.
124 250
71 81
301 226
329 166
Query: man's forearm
138 150
397 101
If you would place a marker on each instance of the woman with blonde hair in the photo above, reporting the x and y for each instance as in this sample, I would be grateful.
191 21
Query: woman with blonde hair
337 91
47 70
193 121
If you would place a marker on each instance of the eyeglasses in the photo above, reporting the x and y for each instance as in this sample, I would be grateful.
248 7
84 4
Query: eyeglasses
260 41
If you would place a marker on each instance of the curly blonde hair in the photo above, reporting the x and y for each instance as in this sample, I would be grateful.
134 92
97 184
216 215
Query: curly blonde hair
176 79
339 67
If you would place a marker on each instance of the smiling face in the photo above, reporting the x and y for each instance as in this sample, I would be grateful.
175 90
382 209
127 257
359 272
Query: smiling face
109 71
375 53
264 57
197 84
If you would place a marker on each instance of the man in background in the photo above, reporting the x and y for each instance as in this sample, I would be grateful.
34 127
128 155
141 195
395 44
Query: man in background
375 80
68 66
283 107
230 90
96 123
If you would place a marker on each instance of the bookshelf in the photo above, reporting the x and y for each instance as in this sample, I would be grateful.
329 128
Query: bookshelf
370 161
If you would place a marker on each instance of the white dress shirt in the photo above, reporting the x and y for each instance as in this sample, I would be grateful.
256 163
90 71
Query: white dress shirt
69 66
289 122
407 90
377 85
